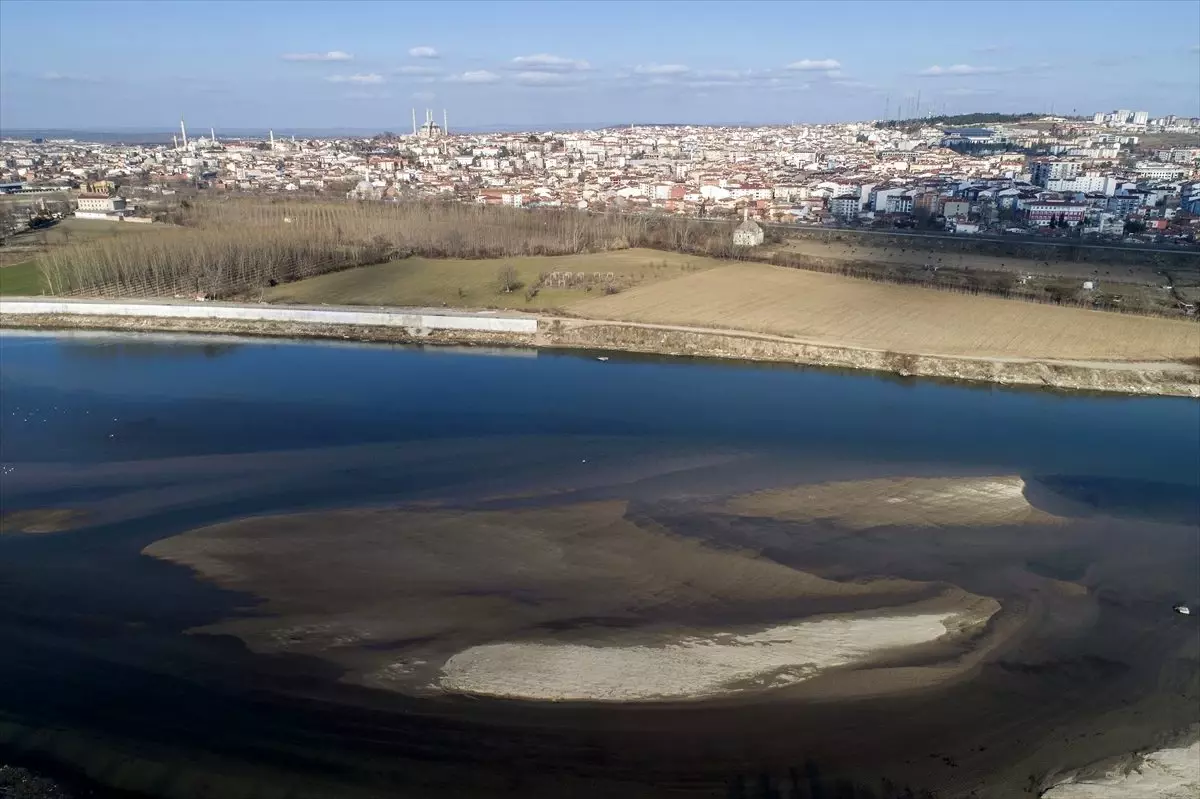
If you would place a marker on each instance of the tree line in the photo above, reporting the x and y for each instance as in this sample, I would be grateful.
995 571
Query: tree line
231 247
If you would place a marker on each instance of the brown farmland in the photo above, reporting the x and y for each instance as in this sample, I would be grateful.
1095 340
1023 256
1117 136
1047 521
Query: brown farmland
838 310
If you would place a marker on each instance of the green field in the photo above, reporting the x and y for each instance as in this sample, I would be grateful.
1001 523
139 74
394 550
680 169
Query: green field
21 279
432 282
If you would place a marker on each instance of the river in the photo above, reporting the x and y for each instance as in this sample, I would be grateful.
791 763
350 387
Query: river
192 623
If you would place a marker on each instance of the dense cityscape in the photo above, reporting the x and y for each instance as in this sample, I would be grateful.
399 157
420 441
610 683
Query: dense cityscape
1117 174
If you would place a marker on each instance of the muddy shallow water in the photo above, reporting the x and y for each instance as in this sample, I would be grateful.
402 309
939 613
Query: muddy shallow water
314 570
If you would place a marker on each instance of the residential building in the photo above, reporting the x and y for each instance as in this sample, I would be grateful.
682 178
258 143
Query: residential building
845 206
1043 171
1044 212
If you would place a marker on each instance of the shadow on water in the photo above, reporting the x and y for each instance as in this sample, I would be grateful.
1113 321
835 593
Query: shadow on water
1146 500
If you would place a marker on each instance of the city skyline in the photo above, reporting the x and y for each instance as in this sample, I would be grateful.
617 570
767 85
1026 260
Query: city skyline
365 65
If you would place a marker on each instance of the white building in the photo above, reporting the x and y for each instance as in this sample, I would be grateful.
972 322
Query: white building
1152 171
1141 117
100 206
1043 171
883 198
1089 183
748 234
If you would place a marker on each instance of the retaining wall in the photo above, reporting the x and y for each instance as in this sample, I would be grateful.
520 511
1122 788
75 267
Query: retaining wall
416 320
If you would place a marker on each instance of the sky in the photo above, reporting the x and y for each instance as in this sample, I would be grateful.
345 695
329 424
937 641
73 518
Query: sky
302 64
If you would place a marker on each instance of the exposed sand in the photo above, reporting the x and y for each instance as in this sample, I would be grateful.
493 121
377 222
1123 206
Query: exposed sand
690 667
33 522
1165 774
902 501
391 594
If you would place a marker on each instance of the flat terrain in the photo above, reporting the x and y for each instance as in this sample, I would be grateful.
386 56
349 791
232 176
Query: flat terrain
474 283
549 580
18 256
833 309
21 279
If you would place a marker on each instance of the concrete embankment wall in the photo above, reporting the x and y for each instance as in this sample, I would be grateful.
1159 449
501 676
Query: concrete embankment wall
411 320
483 329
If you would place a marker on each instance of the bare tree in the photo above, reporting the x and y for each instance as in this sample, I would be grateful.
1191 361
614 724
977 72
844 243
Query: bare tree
507 280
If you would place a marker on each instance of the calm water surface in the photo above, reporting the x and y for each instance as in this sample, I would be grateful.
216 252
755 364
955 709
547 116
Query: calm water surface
155 435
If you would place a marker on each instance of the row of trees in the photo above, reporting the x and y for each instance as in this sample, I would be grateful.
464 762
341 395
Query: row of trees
957 120
225 248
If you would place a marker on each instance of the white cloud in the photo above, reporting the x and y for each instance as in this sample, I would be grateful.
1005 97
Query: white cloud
853 84
730 74
365 79
716 78
936 71
475 76
544 62
59 77
661 69
418 70
332 55
815 65
423 51
543 78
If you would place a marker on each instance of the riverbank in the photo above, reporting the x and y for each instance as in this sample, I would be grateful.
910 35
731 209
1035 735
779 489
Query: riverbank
1169 773
1164 378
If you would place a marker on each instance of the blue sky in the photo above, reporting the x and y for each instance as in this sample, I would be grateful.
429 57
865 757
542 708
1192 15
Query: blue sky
300 64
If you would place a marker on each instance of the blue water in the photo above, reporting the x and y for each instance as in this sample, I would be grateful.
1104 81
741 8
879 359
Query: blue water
86 400
153 435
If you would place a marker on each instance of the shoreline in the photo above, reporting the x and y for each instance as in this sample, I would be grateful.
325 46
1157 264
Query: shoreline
1126 774
453 327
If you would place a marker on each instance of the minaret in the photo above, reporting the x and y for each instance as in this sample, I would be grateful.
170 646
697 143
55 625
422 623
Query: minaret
174 141
414 122
183 130
212 135
445 123
272 134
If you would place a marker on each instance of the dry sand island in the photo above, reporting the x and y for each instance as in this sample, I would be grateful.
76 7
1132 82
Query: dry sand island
574 602
962 633
1165 774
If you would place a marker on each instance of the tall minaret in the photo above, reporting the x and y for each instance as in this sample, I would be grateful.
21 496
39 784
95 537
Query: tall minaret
183 130
414 121
445 124
272 134
175 141
212 135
